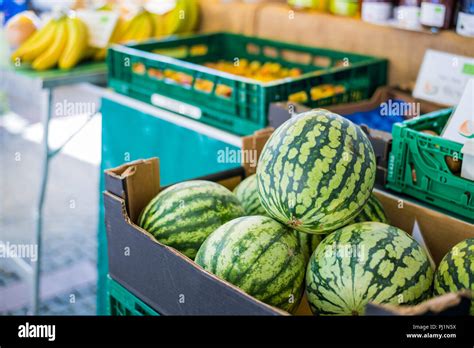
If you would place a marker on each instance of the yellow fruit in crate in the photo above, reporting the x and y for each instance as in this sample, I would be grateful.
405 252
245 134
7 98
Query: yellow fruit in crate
50 57
37 43
77 39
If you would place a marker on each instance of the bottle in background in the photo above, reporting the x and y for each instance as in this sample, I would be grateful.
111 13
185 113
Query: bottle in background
347 8
377 11
465 22
407 14
437 14
318 5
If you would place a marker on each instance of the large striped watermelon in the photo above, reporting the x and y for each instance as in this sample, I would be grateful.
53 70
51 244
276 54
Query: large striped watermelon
372 211
456 270
260 256
316 172
247 194
183 215
309 242
367 261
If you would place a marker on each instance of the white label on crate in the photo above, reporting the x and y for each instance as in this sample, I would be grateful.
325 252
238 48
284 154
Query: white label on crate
376 12
100 25
176 106
465 24
432 14
443 77
460 126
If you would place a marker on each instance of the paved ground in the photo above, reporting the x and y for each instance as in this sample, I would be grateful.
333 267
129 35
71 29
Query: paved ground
70 222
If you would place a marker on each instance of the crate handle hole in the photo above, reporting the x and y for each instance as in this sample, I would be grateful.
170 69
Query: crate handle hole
253 49
224 91
203 85
413 173
270 52
322 61
296 57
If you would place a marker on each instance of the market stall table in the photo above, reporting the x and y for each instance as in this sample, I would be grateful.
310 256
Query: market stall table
25 84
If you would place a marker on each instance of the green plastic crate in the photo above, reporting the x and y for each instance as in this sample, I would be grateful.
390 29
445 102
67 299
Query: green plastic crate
121 302
417 165
137 72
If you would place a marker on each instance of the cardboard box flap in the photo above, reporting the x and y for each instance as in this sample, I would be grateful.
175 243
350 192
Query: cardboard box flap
417 234
136 182
254 143
403 212
449 304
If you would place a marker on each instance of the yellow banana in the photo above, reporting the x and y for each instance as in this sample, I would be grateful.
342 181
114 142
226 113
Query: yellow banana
145 30
120 29
50 57
77 37
175 20
158 26
135 27
36 44
192 16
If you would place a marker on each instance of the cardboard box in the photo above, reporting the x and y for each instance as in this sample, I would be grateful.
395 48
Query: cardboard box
381 141
159 275
163 278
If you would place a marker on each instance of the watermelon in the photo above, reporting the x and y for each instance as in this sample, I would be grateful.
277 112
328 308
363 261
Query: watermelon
372 211
367 261
456 270
316 172
183 215
247 194
260 256
309 242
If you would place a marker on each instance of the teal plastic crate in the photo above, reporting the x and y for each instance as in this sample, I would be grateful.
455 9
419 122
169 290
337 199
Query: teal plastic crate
417 165
137 71
122 302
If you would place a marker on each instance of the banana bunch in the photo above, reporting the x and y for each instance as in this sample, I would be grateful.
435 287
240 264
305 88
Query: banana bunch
182 19
62 42
145 25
